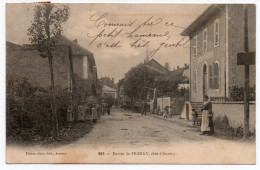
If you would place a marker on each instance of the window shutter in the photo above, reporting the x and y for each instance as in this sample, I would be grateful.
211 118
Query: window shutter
216 76
204 40
195 47
216 33
210 77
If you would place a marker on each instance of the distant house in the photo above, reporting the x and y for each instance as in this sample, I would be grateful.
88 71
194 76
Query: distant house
181 76
109 92
156 67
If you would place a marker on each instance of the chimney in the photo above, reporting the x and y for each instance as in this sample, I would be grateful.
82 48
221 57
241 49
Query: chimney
185 64
178 67
113 80
75 41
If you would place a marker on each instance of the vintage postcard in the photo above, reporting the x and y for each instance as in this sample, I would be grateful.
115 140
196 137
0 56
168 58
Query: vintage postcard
112 83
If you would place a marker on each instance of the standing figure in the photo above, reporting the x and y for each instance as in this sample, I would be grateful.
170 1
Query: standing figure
207 117
144 106
166 111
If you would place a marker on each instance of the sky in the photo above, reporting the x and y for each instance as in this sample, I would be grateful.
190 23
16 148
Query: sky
164 22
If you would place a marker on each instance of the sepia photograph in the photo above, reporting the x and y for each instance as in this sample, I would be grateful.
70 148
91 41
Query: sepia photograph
130 83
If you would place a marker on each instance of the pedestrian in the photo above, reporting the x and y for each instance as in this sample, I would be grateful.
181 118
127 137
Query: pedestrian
166 111
108 109
194 116
144 106
207 117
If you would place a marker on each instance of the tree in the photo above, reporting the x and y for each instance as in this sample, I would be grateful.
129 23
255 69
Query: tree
134 83
48 21
167 66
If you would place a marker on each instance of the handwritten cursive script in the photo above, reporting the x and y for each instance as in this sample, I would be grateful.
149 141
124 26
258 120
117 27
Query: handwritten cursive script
138 33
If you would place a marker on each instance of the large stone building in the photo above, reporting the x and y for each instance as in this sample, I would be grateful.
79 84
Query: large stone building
216 37
24 62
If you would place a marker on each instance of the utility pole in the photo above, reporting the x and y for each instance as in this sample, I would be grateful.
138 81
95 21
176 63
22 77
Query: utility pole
145 61
246 59
246 88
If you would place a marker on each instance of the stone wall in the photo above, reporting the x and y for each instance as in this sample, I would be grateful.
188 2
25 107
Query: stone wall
235 113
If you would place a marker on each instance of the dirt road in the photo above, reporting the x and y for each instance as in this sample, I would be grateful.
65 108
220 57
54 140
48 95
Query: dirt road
129 129
127 137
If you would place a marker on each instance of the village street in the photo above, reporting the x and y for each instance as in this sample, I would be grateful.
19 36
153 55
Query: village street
141 137
129 129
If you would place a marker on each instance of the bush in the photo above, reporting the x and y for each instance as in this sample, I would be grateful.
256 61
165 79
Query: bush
237 93
223 128
29 114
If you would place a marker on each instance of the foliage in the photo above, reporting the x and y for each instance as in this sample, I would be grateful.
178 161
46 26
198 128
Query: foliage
107 81
48 20
168 88
134 81
223 128
28 114
140 80
237 93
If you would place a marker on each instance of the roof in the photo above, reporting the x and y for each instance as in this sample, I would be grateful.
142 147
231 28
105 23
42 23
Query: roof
179 71
185 81
177 75
61 41
203 19
108 82
76 49
107 88
154 65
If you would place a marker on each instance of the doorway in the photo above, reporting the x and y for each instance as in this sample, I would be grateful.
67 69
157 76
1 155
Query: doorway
204 81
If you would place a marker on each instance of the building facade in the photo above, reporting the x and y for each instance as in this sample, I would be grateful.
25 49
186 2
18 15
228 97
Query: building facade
84 66
215 39
109 92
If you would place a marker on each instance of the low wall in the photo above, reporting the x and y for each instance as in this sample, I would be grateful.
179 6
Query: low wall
235 113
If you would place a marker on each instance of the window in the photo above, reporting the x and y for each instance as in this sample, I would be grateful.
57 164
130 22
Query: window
195 80
195 46
85 67
216 33
205 37
210 77
214 76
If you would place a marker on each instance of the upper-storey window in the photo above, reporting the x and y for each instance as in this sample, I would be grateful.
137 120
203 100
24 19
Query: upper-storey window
85 67
205 37
216 33
195 46
195 80
216 75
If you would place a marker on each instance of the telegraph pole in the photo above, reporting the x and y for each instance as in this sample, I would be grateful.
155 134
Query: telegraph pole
145 61
246 88
246 59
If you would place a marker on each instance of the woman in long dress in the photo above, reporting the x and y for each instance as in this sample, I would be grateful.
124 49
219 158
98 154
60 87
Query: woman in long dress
207 120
